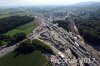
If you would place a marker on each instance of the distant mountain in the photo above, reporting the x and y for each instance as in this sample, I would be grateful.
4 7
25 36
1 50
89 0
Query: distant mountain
88 4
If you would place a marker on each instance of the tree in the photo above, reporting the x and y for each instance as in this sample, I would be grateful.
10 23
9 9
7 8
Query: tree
25 47
42 46
0 43
12 22
19 36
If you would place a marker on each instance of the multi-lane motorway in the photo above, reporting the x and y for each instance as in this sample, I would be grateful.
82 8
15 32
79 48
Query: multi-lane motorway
79 49
72 43
32 36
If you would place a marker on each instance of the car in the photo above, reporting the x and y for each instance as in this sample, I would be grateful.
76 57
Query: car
75 37
74 47
76 43
0 48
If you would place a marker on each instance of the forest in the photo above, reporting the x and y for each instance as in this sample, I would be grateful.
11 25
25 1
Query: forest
63 23
88 28
12 22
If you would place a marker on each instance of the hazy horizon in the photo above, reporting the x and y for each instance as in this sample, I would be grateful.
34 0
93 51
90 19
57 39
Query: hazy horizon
40 2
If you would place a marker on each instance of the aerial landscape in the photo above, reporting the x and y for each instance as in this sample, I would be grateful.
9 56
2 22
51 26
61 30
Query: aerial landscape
49 33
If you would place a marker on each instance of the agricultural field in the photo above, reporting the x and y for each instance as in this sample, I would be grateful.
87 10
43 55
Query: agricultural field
33 59
4 14
26 54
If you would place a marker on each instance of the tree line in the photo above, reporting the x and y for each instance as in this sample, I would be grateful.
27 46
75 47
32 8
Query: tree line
12 22
88 29
29 46
63 23
11 40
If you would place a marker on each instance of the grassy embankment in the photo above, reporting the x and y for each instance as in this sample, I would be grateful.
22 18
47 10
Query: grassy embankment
8 14
27 28
26 54
34 59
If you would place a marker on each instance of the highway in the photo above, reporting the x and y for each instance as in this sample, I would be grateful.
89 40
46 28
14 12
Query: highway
79 51
70 41
73 44
31 36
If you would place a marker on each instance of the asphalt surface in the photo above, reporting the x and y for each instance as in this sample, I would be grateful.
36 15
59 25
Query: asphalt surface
68 39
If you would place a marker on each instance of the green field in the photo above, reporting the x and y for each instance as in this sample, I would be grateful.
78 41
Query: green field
27 29
8 14
33 59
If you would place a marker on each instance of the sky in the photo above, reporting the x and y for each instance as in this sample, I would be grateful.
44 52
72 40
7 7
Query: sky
40 2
